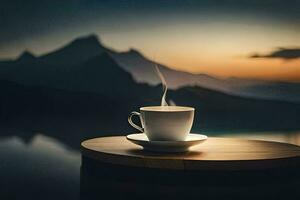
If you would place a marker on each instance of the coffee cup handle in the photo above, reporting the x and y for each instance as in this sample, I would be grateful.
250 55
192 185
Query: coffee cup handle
133 124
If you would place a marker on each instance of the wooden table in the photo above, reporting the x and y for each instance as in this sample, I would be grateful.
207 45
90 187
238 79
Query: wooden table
219 168
213 154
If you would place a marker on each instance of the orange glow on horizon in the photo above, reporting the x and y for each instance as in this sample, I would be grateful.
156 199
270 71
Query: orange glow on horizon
236 66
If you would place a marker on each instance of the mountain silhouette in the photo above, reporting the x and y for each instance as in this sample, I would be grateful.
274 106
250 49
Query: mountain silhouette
26 57
141 68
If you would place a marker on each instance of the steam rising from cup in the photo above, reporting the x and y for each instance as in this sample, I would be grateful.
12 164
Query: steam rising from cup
165 87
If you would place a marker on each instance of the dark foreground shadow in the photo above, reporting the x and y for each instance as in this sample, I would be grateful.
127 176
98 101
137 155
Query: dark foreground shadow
99 180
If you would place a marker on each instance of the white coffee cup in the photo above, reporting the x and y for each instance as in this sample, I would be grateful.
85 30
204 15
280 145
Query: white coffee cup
162 123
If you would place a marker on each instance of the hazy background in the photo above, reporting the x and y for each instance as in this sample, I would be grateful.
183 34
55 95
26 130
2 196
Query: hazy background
72 70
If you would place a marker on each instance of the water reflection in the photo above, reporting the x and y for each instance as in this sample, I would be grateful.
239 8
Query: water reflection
41 169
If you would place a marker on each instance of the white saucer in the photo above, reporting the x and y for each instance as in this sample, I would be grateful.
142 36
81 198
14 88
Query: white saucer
166 146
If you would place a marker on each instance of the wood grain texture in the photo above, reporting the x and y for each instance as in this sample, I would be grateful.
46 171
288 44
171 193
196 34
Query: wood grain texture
213 154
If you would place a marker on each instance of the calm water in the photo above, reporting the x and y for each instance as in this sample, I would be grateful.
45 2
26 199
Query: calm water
43 167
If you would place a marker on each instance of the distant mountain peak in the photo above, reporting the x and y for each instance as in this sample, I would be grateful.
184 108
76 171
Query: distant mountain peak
91 39
26 56
136 52
132 50
77 51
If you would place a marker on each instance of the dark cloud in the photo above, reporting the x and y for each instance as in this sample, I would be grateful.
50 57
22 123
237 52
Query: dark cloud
283 53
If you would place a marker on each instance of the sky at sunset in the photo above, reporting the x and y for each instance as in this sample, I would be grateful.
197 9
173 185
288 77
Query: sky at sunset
214 37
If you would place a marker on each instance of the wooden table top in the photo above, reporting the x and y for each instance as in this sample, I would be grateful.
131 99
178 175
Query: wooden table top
213 154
